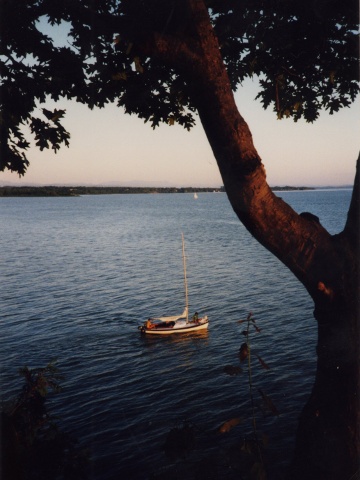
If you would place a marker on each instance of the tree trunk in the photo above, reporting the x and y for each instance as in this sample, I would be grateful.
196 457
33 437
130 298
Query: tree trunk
328 437
328 443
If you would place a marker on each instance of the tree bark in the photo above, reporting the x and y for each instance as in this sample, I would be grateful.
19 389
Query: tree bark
328 443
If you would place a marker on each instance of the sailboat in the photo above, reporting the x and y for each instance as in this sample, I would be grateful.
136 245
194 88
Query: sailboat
196 196
176 323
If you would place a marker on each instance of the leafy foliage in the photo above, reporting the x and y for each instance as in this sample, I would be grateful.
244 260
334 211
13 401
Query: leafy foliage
33 447
232 370
229 424
305 57
180 441
250 450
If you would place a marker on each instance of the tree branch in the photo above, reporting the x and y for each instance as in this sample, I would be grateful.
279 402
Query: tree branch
174 51
295 239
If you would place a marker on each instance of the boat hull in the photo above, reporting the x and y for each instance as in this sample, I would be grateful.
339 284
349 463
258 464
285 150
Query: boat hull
182 327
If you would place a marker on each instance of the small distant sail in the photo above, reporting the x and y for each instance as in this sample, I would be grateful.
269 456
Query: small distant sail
195 195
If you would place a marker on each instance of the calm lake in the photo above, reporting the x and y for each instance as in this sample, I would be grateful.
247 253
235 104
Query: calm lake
79 274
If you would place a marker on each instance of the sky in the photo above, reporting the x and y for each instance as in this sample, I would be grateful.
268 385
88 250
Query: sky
108 147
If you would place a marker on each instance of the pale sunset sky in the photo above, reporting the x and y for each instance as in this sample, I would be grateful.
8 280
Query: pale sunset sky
108 147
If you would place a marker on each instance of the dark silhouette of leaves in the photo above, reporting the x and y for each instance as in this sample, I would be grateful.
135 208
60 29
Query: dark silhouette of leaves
263 364
231 370
268 404
243 352
310 63
180 441
33 445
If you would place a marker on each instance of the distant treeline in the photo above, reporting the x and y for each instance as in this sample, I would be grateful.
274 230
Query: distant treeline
53 191
288 188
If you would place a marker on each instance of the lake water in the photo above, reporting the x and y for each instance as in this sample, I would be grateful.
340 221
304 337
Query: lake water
78 275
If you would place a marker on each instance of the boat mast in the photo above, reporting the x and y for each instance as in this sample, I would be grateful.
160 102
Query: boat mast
185 279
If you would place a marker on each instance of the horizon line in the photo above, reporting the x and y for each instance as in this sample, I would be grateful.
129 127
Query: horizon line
111 185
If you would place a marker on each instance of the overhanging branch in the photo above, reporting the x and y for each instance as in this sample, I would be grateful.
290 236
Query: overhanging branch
174 51
301 243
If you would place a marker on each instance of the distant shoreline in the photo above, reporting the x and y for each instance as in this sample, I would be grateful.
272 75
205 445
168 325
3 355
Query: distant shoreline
58 191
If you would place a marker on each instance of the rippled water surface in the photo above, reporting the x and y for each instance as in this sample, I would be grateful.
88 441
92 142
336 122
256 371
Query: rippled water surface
80 274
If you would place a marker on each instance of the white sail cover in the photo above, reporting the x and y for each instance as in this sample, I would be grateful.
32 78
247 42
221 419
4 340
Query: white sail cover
172 318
